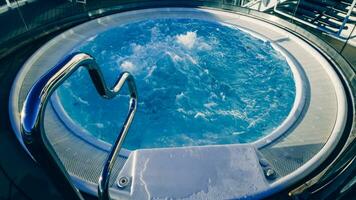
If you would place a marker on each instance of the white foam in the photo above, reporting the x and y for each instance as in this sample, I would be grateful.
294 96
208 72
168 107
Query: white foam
137 48
181 110
174 56
191 59
200 115
233 113
180 96
204 46
188 39
210 104
238 132
150 71
223 97
127 66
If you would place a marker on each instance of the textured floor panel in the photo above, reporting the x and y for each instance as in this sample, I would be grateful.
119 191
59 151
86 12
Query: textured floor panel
80 158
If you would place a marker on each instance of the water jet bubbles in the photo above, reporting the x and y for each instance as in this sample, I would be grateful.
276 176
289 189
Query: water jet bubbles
193 77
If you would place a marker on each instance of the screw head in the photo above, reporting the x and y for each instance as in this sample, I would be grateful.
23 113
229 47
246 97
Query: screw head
270 173
123 182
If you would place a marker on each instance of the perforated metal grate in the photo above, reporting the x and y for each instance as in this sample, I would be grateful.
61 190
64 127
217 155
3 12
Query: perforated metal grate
79 157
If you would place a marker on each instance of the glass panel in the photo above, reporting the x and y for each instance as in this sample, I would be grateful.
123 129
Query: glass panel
285 9
325 19
38 13
349 50
11 20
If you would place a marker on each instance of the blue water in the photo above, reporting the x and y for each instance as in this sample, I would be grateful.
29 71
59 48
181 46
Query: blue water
199 83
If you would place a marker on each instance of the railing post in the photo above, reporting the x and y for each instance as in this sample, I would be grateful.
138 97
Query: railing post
346 18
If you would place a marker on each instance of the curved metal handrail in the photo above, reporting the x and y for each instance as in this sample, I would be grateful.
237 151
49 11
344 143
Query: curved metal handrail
103 187
32 120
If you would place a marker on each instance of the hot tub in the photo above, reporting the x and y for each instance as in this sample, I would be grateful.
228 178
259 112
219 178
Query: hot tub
200 83
230 106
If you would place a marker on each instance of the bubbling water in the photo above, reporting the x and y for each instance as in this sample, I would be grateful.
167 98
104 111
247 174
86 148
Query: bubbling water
199 83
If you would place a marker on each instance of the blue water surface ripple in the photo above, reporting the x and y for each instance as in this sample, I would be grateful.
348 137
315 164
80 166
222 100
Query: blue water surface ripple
199 83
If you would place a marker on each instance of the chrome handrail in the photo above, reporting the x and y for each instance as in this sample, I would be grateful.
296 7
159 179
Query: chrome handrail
103 187
32 120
